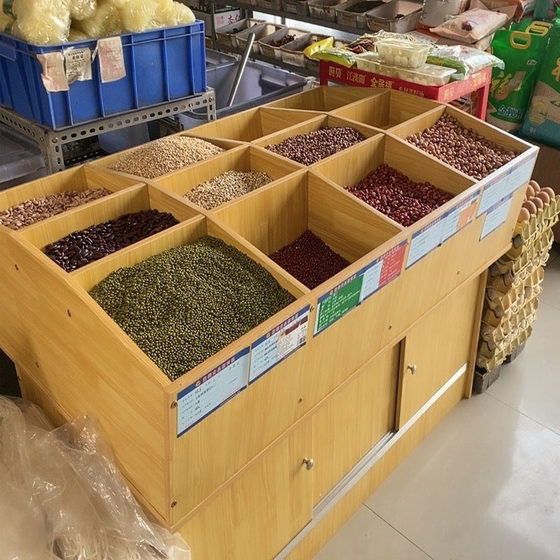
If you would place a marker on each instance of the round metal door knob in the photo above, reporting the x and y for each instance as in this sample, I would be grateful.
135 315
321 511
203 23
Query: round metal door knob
309 463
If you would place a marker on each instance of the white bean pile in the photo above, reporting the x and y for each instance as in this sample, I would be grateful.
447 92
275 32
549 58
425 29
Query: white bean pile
226 187
165 155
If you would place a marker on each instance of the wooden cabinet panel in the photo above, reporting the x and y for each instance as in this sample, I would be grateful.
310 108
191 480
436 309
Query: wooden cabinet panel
255 516
435 349
354 420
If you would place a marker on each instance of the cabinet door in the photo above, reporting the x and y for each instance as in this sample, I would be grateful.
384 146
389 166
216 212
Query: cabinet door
257 514
435 349
354 420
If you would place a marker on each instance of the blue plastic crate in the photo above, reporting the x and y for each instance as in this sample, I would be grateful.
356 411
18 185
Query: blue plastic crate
161 65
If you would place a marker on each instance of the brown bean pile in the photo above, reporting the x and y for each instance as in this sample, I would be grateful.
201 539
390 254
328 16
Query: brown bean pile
165 155
396 196
284 41
462 148
309 259
227 186
39 209
314 146
95 242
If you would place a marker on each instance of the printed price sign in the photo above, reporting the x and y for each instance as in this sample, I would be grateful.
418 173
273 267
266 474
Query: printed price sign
442 228
357 288
276 345
211 391
507 183
496 216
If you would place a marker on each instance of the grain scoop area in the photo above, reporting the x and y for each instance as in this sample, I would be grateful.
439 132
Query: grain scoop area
230 323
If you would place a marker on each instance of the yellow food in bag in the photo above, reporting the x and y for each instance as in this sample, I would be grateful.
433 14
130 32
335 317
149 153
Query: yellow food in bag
42 22
105 22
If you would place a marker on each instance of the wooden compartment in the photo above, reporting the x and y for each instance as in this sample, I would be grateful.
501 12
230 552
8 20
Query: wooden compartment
349 167
242 466
386 110
274 216
246 158
507 141
250 125
324 98
134 199
76 179
322 121
107 161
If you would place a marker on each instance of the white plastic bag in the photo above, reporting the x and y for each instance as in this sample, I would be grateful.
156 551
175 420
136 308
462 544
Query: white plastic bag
105 22
82 9
61 495
42 22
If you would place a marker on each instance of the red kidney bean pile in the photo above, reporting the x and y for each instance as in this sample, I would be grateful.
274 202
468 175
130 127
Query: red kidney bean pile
95 242
314 146
397 196
309 259
462 148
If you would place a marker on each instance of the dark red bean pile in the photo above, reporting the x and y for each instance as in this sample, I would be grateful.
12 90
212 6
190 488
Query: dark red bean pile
95 242
284 41
397 196
315 146
462 148
309 259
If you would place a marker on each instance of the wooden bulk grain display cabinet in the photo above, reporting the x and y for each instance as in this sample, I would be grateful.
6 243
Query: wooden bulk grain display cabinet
303 416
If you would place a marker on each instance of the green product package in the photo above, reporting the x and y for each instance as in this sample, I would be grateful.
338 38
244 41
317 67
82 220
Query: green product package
511 88
542 121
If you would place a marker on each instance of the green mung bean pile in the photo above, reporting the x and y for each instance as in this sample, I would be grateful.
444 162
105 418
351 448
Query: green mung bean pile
184 305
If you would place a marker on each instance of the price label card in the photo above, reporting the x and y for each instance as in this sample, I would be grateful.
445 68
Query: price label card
78 64
351 293
442 228
281 342
507 183
425 240
210 392
496 216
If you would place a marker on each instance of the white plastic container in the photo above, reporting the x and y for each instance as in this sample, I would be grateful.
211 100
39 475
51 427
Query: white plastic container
427 75
406 54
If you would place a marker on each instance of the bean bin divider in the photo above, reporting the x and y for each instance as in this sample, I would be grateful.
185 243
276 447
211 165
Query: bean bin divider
73 358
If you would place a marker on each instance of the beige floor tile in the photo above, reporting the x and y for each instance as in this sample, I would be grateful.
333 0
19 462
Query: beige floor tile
367 537
484 485
531 383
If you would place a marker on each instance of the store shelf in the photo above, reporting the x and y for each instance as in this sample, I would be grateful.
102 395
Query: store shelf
51 141
296 17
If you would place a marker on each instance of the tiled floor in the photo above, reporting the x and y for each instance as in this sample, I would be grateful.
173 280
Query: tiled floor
485 484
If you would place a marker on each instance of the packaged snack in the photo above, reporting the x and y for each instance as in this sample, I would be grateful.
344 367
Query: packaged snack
542 121
466 60
471 25
511 87
343 57
436 12
402 52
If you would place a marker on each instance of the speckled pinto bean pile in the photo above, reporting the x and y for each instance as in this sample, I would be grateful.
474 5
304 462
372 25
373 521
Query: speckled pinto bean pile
397 196
462 148
184 305
310 148
309 259
165 155
39 209
94 243
227 186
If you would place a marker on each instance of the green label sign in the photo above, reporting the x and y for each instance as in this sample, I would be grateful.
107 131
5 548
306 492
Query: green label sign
333 306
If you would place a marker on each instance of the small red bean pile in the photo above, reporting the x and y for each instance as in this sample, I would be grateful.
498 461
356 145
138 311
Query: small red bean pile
397 196
462 148
315 146
309 259
95 242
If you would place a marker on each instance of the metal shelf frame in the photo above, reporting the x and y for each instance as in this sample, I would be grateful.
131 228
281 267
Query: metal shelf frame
51 141
307 19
